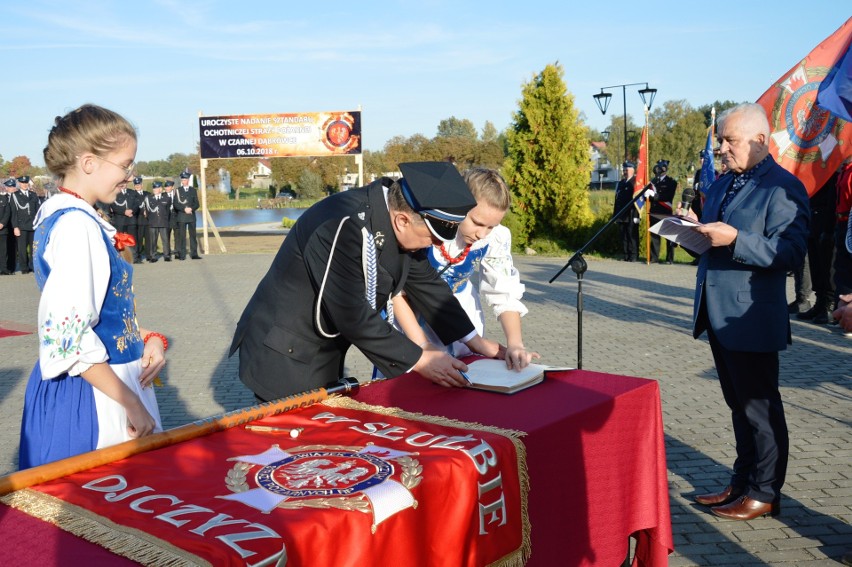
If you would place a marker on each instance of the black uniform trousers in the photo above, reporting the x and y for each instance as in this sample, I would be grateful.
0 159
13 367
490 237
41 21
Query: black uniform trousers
749 383
25 247
142 243
4 250
133 230
153 233
11 252
655 248
180 239
629 240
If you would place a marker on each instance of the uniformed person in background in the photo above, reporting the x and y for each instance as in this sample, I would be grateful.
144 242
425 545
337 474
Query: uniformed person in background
629 220
157 208
11 251
185 204
662 204
5 229
171 230
25 205
124 212
141 221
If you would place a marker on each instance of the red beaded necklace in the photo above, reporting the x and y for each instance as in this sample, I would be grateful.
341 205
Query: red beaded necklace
457 259
122 239
70 192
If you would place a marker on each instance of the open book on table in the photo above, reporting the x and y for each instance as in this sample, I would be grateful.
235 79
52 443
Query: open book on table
492 375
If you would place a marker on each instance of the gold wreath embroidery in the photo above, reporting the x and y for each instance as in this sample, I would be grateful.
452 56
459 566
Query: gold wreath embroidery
412 475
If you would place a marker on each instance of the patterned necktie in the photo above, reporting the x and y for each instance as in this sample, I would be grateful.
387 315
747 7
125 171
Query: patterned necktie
738 183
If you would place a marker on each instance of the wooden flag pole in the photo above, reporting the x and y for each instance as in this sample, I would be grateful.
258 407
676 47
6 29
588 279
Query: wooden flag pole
647 201
50 471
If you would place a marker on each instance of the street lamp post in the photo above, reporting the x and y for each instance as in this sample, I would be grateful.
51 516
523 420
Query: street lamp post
602 99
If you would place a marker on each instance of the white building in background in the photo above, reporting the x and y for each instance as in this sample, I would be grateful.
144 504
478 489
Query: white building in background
224 181
604 174
261 176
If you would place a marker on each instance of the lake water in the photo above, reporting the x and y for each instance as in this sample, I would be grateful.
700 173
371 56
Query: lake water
250 216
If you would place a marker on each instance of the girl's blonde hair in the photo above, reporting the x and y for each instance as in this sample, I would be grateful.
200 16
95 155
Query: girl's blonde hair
488 186
90 128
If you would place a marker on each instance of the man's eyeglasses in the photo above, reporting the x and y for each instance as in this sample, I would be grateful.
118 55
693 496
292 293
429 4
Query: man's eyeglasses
128 171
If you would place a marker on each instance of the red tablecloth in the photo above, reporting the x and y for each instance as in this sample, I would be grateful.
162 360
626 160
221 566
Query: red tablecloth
595 454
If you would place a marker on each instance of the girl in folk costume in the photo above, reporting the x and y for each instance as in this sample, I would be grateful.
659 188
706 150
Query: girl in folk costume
482 245
91 386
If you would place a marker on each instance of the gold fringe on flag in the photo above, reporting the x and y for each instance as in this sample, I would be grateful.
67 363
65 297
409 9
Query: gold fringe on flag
127 542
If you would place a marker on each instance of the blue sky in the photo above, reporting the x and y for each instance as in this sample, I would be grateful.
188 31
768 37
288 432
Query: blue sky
408 64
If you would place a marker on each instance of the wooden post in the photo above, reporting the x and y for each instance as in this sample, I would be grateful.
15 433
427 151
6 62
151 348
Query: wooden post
205 214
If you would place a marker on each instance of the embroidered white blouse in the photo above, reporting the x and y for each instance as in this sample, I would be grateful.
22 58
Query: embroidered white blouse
75 290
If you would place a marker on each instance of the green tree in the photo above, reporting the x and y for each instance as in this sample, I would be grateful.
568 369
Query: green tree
489 132
453 127
548 164
615 144
239 168
310 185
400 149
456 149
720 107
286 170
677 134
178 162
20 165
489 154
375 165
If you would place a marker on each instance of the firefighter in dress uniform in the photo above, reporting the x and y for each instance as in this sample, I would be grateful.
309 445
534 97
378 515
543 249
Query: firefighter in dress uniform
5 227
662 204
185 205
25 205
157 208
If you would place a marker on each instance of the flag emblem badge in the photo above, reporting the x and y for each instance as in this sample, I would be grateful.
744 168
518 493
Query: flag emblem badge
801 130
363 479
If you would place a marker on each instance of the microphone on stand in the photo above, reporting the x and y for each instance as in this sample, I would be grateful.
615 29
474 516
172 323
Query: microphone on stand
686 199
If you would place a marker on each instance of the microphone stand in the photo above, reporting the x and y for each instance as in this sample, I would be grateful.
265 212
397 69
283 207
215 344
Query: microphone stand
578 266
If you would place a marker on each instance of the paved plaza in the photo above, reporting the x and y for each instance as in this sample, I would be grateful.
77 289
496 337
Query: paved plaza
636 321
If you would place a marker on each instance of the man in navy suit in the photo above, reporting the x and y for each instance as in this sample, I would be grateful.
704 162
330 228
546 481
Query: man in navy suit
756 220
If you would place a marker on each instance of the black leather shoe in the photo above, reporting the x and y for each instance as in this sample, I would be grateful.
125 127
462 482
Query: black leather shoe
729 494
809 314
822 318
167 259
196 257
152 260
745 508
798 306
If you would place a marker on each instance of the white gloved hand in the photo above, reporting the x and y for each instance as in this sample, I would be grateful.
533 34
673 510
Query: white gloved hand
635 220
650 193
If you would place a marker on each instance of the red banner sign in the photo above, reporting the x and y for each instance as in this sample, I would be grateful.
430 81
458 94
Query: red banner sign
340 483
280 135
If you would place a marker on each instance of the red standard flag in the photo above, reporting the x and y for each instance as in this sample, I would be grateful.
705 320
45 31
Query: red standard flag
641 169
807 140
